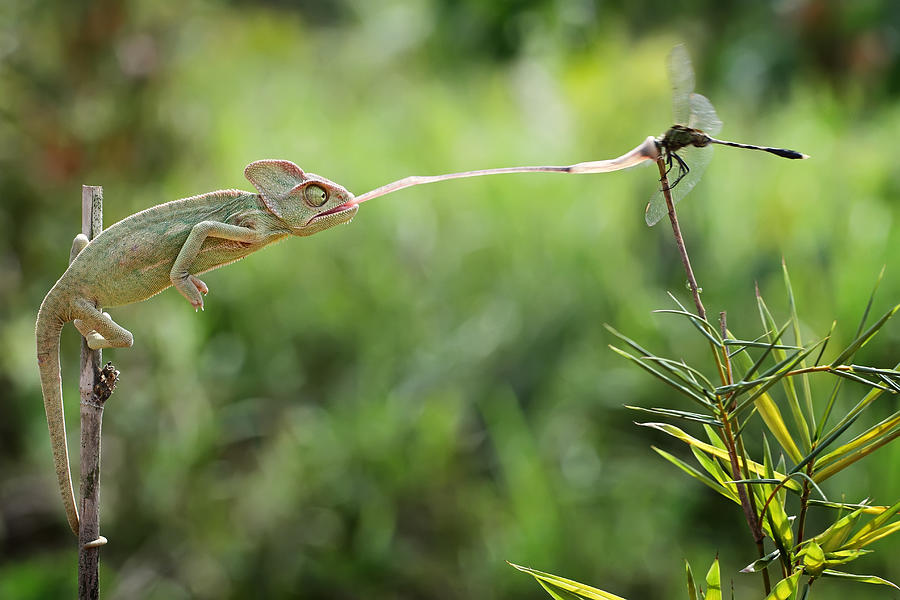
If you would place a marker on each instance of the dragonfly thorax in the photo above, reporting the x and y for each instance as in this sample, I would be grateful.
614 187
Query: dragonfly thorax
681 136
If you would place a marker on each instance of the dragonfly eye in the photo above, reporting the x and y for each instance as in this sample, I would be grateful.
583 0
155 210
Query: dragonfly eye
315 196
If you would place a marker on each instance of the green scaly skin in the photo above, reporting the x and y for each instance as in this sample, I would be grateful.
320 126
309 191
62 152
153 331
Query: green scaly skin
169 245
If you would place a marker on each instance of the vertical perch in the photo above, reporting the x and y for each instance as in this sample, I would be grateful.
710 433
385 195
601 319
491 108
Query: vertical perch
96 384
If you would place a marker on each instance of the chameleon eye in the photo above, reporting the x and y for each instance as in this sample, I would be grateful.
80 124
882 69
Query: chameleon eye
315 196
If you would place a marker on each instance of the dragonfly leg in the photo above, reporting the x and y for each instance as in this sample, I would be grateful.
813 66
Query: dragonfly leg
683 169
669 163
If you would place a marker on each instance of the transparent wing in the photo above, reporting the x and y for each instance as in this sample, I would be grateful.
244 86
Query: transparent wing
697 159
681 75
703 115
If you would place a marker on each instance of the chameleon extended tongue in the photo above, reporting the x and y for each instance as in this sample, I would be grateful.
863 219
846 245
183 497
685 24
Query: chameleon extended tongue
646 151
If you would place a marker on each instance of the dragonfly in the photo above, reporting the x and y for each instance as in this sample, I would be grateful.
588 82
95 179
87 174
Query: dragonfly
686 145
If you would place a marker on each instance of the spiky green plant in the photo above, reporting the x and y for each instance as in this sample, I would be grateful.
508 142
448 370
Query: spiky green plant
810 441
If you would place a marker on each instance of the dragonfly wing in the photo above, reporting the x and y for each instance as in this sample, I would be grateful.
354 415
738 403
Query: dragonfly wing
697 159
703 115
681 75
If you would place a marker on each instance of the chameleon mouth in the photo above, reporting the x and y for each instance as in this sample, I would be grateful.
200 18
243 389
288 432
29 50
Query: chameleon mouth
348 208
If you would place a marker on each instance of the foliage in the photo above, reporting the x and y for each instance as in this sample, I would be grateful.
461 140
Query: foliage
812 449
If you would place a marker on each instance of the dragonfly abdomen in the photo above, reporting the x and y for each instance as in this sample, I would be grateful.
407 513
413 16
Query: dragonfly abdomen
782 152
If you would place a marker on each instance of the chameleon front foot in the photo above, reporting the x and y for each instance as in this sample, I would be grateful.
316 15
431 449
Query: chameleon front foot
100 541
192 288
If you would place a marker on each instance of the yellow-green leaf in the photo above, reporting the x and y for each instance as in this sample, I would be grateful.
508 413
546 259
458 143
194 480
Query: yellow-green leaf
859 578
780 523
696 474
761 563
878 534
585 591
691 586
558 593
849 453
844 556
832 538
867 436
713 582
873 526
785 588
753 467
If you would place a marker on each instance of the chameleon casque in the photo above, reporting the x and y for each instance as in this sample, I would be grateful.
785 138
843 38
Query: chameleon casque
169 245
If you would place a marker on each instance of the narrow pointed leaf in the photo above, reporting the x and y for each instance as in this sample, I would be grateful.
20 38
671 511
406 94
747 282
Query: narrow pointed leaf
691 586
785 589
866 508
683 370
678 414
664 378
874 524
711 483
585 591
761 563
713 582
757 344
702 326
780 523
558 593
842 557
862 339
793 402
862 405
795 322
729 490
879 533
872 434
754 467
859 578
833 538
835 467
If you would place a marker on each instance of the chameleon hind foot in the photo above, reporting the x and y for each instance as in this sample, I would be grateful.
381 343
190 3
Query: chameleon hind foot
94 340
98 328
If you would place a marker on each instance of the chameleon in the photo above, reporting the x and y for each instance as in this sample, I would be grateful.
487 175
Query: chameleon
168 246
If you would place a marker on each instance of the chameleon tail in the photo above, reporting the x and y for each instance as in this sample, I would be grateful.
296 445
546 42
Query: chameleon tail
48 329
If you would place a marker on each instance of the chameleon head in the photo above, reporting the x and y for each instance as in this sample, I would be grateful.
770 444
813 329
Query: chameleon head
319 204
306 203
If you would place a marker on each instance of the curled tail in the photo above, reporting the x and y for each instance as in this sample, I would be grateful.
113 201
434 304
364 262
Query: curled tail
49 326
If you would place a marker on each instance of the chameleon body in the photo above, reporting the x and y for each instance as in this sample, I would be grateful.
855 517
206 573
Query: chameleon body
169 245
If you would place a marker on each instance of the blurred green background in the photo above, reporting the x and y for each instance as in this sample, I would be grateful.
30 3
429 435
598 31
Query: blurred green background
392 409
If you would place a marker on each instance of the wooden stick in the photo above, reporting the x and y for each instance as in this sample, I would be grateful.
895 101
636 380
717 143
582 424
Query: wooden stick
95 385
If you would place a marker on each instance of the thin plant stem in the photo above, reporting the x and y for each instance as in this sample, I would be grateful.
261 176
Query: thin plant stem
804 503
679 239
724 372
